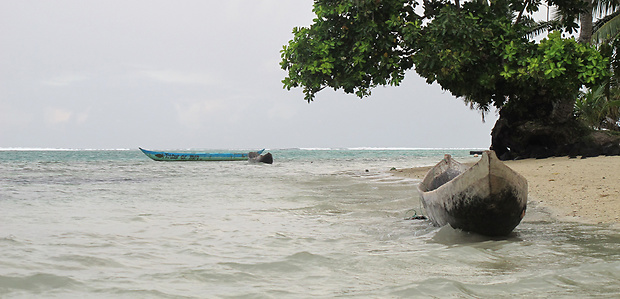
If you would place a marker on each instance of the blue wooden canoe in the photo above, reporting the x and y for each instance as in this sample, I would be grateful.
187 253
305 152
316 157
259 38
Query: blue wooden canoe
166 156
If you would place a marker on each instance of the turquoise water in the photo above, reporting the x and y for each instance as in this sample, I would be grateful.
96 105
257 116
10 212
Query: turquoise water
317 223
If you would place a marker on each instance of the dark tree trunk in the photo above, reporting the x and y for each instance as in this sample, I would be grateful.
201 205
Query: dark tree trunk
585 20
562 110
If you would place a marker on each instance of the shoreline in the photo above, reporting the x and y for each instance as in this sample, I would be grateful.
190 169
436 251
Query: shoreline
580 190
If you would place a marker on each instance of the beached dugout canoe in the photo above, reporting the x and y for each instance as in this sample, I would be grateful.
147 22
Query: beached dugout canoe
168 156
487 198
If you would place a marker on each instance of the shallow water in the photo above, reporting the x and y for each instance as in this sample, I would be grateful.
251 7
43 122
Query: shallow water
316 223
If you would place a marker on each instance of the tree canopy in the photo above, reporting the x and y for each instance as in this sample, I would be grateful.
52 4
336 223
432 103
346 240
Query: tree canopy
479 51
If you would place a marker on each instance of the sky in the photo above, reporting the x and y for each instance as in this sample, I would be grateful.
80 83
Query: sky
195 74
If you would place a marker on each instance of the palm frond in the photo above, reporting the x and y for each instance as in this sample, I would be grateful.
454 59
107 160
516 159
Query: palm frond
607 28
605 7
538 28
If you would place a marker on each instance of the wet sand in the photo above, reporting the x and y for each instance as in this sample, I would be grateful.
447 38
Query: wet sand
585 190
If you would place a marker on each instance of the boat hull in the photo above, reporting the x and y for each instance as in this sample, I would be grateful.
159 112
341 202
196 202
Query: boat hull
255 157
488 198
167 156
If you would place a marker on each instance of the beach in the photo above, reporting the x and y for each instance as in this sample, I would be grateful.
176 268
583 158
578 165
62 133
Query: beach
583 190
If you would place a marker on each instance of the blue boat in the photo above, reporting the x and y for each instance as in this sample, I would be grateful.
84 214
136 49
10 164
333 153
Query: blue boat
167 156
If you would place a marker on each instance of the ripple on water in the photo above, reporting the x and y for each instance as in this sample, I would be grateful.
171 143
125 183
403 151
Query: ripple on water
36 283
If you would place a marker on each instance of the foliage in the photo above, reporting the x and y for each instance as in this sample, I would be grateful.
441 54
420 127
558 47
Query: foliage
353 45
478 50
607 28
599 109
485 58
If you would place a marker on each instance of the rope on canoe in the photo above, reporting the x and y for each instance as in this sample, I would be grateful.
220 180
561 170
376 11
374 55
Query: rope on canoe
415 215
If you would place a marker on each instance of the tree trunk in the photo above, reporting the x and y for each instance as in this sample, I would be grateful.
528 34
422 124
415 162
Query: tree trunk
536 139
563 110
585 19
546 128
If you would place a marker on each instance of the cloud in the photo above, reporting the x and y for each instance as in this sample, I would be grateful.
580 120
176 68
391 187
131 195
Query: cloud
82 117
64 80
282 111
194 114
56 116
176 77
201 113
11 118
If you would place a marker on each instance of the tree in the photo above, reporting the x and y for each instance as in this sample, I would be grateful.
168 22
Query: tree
479 51
599 107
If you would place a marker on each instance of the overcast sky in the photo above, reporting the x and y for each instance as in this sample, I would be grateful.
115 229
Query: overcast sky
194 74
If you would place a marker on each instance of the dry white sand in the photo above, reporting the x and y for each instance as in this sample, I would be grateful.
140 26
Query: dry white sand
586 190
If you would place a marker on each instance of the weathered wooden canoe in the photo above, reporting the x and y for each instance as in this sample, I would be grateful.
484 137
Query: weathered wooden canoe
166 156
487 198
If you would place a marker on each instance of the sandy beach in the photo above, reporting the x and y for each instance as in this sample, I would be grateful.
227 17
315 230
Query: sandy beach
585 190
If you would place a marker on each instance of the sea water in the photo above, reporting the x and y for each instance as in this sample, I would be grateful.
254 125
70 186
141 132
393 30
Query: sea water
318 223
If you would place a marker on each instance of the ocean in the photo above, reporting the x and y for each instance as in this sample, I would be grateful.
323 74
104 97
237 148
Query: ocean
318 223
